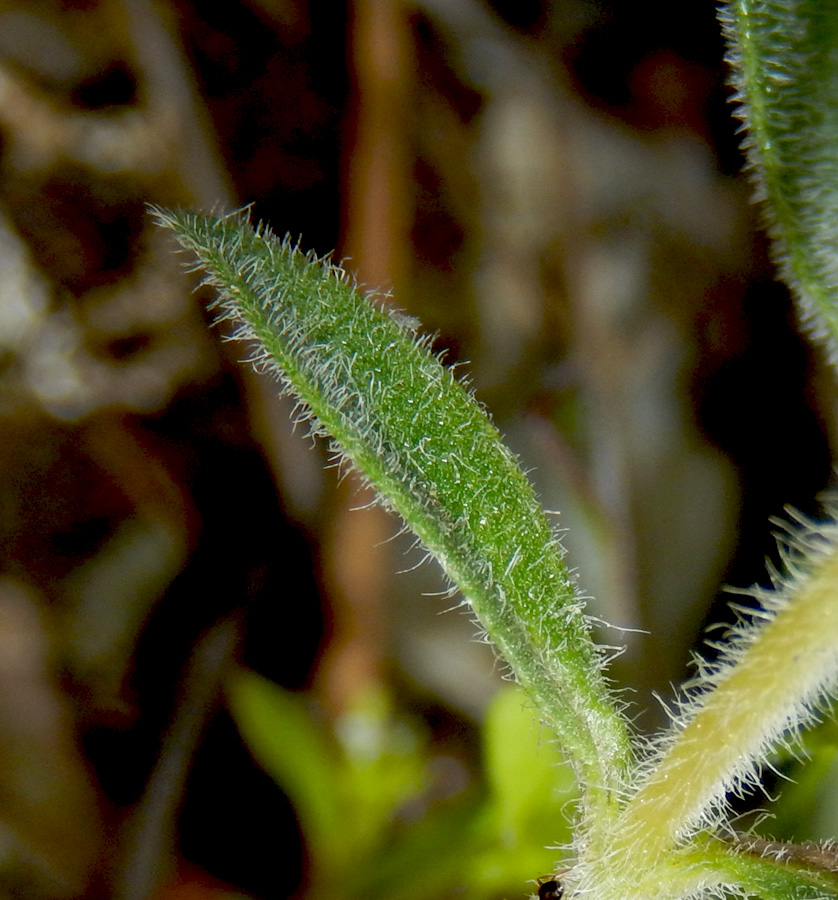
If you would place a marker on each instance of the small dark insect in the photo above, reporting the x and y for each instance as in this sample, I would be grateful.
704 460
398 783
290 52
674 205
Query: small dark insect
550 888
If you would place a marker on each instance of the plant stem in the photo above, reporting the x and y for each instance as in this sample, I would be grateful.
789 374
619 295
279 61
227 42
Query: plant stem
770 678
783 56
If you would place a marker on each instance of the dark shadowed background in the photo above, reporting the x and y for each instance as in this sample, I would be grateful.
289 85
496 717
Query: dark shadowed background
553 188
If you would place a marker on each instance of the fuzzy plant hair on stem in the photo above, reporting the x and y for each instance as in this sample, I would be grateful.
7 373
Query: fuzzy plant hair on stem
760 662
430 451
775 669
783 59
780 664
653 829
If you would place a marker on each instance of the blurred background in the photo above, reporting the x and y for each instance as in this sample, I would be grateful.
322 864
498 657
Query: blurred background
213 682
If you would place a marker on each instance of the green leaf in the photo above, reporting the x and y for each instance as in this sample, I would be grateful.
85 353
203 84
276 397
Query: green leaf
774 871
433 455
281 733
385 768
532 788
786 78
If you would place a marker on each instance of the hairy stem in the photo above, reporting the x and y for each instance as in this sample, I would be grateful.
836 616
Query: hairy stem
771 677
783 56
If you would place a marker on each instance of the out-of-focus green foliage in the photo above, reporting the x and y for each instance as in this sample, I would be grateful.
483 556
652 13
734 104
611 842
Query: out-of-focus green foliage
364 795
804 807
